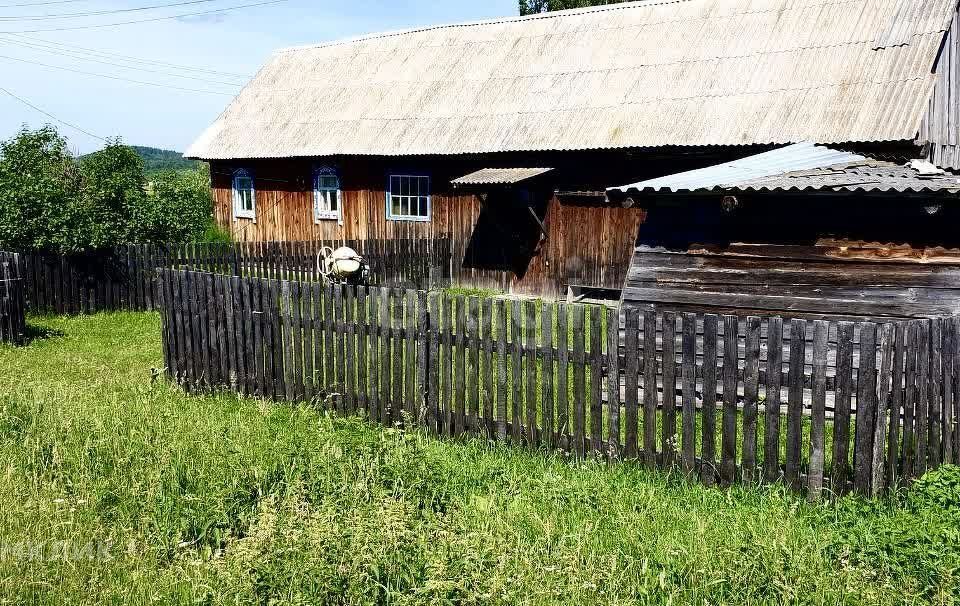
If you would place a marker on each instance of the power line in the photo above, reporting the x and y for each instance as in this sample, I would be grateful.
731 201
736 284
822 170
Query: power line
51 116
111 11
41 3
151 20
118 56
61 52
143 82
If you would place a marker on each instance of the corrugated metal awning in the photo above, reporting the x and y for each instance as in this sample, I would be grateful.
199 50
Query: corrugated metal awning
801 167
499 176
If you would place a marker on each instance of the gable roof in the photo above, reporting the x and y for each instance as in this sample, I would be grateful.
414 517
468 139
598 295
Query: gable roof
638 74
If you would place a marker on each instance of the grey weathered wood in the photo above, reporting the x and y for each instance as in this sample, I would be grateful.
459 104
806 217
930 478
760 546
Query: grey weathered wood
329 351
612 376
728 444
433 394
338 320
460 367
487 390
689 402
374 402
296 323
708 451
548 432
446 417
798 346
771 441
274 309
411 402
579 381
422 383
563 369
650 388
668 437
309 341
920 462
595 396
349 332
947 366
516 344
866 409
530 371
935 395
500 326
472 357
818 410
841 415
386 361
751 394
631 370
884 404
896 406
908 452
397 378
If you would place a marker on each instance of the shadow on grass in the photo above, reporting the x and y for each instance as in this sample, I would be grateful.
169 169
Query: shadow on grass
40 333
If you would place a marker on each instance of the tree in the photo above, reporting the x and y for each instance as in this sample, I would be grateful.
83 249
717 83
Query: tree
178 207
530 7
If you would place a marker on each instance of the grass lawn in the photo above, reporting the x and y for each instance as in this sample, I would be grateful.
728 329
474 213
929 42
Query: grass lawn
120 489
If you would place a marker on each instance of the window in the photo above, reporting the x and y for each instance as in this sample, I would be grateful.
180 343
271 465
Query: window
326 195
408 198
244 196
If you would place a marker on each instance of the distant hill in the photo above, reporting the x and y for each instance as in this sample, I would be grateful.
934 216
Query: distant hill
155 159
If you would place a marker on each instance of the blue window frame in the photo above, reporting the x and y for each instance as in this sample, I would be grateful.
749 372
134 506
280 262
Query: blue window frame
244 195
327 201
408 198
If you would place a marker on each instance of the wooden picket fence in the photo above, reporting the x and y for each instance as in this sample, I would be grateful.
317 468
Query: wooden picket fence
124 277
12 301
821 405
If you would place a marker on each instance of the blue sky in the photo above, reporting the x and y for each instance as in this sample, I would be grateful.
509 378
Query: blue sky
236 42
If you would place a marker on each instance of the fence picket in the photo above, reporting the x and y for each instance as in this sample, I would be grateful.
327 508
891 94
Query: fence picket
841 408
866 409
771 437
650 388
818 409
708 449
798 346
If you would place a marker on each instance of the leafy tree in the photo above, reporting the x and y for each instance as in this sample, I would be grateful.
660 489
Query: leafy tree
39 182
51 201
178 207
530 7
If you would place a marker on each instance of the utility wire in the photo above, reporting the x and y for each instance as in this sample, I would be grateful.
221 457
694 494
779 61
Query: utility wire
77 71
151 20
117 56
51 116
111 11
64 53
41 3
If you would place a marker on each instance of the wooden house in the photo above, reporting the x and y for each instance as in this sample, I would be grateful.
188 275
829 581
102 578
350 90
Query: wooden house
502 135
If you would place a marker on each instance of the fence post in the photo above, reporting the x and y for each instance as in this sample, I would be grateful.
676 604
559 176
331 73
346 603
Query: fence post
423 358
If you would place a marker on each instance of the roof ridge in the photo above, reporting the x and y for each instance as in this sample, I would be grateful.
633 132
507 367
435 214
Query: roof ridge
492 21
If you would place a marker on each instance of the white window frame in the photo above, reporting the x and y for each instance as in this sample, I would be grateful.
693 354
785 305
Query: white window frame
324 194
238 211
408 217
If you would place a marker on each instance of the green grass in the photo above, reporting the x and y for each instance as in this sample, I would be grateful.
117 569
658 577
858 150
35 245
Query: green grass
220 500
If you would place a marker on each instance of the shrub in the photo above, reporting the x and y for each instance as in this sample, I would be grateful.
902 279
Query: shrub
177 208
937 490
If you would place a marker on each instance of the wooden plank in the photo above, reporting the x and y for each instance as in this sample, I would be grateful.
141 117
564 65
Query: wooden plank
307 318
612 377
841 415
708 451
751 394
486 376
279 389
349 331
361 400
821 329
728 444
516 378
433 394
532 435
411 326
896 405
798 344
771 435
688 373
924 398
230 374
579 381
595 396
472 355
373 394
955 329
866 409
259 340
668 437
286 313
500 327
397 378
296 324
241 332
460 366
207 309
908 452
422 383
446 414
947 368
563 372
935 396
884 405
386 360
650 388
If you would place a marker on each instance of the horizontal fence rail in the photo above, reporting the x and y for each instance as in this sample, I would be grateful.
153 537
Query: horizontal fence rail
12 300
820 405
124 277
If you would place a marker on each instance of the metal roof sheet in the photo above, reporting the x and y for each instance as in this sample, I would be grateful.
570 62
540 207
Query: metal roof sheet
801 167
499 176
633 75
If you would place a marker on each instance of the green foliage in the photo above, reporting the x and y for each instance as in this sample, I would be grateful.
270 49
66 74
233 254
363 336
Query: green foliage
529 7
214 234
157 160
937 490
50 201
223 500
178 207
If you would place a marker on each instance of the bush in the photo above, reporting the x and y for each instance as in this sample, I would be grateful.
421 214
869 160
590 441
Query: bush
51 201
937 490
